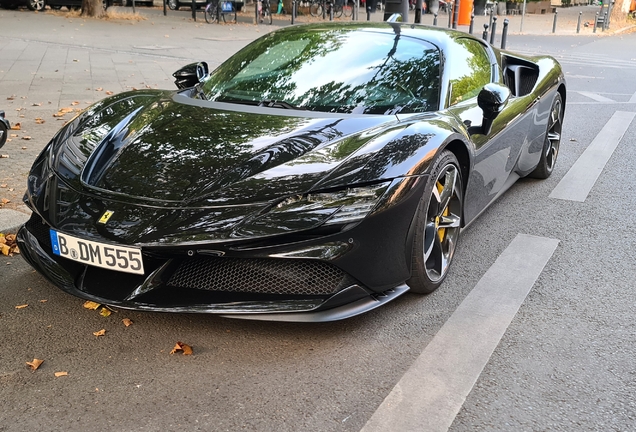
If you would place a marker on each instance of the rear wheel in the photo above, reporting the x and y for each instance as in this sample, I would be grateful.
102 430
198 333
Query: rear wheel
438 222
552 141
315 9
173 4
347 9
36 5
267 15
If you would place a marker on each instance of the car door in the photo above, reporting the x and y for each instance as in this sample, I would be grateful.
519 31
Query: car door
473 65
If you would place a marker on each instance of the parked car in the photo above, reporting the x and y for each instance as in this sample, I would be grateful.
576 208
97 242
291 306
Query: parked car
282 187
36 5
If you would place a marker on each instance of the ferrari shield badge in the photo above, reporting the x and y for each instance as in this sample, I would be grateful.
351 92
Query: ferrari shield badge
107 214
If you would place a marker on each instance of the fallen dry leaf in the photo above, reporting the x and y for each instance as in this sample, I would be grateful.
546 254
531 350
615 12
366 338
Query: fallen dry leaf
35 363
37 104
104 312
14 135
38 120
4 156
26 137
43 301
60 374
180 346
109 92
16 126
12 97
99 89
3 185
91 305
75 103
102 332
4 200
22 306
127 322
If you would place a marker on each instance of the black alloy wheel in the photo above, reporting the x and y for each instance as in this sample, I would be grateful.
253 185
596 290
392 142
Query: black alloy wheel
438 223
36 5
552 140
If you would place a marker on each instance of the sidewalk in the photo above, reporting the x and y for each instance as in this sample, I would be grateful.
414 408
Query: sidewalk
49 62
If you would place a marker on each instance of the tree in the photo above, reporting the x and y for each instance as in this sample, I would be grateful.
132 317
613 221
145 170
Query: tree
620 9
93 8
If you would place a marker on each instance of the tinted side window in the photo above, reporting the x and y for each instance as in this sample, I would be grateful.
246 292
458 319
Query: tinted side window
470 71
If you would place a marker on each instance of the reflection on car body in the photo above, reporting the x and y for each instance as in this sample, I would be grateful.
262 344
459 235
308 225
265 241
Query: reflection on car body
278 187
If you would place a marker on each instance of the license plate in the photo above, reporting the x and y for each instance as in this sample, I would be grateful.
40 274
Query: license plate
108 256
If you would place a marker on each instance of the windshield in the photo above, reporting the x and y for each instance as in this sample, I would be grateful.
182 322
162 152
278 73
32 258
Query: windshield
347 70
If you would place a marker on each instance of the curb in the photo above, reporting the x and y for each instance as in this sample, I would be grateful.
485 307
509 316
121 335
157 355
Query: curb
11 220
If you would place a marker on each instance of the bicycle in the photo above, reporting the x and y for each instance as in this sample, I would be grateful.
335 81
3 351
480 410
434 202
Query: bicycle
317 6
215 10
264 12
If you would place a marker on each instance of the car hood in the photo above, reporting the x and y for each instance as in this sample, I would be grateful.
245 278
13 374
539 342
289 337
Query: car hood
166 147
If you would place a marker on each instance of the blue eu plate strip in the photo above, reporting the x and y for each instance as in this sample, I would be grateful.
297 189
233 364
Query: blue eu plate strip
56 246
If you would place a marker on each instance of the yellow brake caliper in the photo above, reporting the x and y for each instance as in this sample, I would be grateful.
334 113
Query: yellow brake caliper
441 231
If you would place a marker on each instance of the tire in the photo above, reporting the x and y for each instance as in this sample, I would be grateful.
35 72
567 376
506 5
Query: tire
173 4
337 11
36 5
552 141
3 134
347 9
315 9
437 225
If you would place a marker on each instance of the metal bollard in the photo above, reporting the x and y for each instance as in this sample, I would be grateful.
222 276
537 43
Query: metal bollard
555 20
194 9
450 15
293 11
484 35
493 30
604 21
595 22
324 9
455 13
330 11
490 19
578 24
504 34
434 19
133 5
472 21
368 13
165 9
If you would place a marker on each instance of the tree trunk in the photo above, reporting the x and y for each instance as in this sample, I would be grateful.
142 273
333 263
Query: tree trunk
620 9
93 8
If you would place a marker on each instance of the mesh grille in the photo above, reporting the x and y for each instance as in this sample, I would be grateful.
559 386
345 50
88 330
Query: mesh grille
263 276
527 80
40 230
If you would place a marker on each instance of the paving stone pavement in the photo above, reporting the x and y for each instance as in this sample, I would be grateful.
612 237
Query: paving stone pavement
50 61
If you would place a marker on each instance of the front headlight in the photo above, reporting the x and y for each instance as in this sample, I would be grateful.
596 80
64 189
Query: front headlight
349 205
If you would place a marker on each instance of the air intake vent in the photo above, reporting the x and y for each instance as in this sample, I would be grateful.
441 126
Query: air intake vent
260 276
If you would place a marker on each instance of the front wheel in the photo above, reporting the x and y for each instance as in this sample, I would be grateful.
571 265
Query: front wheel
438 223
36 5
211 13
347 9
552 141
173 4
315 9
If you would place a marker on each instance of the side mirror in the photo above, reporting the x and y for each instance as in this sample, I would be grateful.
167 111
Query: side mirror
191 74
492 99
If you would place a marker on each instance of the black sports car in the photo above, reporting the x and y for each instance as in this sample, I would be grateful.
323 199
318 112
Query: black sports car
318 173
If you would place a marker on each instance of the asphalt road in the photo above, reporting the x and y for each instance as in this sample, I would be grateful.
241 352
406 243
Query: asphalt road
565 362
